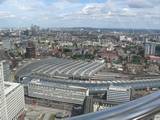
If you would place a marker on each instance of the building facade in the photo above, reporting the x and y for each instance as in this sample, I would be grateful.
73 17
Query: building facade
15 104
3 109
11 99
57 92
118 94
152 48
6 71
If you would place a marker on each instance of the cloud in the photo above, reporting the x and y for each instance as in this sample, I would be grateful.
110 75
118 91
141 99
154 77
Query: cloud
69 1
139 4
92 8
25 8
143 3
5 14
80 12
127 13
105 11
25 5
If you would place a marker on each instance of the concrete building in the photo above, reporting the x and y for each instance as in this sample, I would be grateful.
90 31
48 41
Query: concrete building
11 99
6 71
119 94
15 104
1 44
152 48
30 52
58 92
3 109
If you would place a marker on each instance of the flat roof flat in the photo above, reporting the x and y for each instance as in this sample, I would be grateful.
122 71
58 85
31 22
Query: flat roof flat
9 87
57 85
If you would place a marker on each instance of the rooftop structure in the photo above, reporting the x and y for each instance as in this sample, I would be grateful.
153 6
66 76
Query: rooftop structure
77 90
52 67
69 68
98 85
55 74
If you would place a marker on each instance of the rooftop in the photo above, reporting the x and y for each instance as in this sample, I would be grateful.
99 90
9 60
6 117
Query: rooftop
96 85
9 87
56 85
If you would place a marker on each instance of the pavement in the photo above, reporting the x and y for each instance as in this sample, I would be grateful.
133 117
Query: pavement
36 111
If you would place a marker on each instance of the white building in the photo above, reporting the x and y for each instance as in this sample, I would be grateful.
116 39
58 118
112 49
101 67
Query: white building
64 43
15 104
57 92
151 48
122 38
3 109
119 94
11 99
157 116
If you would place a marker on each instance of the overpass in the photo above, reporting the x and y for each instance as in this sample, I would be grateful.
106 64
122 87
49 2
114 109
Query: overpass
134 110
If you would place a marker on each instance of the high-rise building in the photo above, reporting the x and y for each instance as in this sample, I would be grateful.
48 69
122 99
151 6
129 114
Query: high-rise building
1 44
30 50
35 30
152 48
6 70
3 109
11 98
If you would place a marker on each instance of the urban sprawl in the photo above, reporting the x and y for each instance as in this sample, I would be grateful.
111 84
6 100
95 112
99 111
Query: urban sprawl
64 72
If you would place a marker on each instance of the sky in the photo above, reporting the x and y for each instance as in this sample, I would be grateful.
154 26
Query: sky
135 14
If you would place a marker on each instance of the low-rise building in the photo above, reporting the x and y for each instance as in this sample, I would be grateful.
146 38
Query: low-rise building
118 94
58 92
135 68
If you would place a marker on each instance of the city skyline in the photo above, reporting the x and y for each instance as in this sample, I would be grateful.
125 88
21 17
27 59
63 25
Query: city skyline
79 59
81 13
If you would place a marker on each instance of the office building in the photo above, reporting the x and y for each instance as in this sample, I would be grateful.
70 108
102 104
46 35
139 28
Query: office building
6 71
118 94
58 92
3 109
11 99
30 52
152 48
